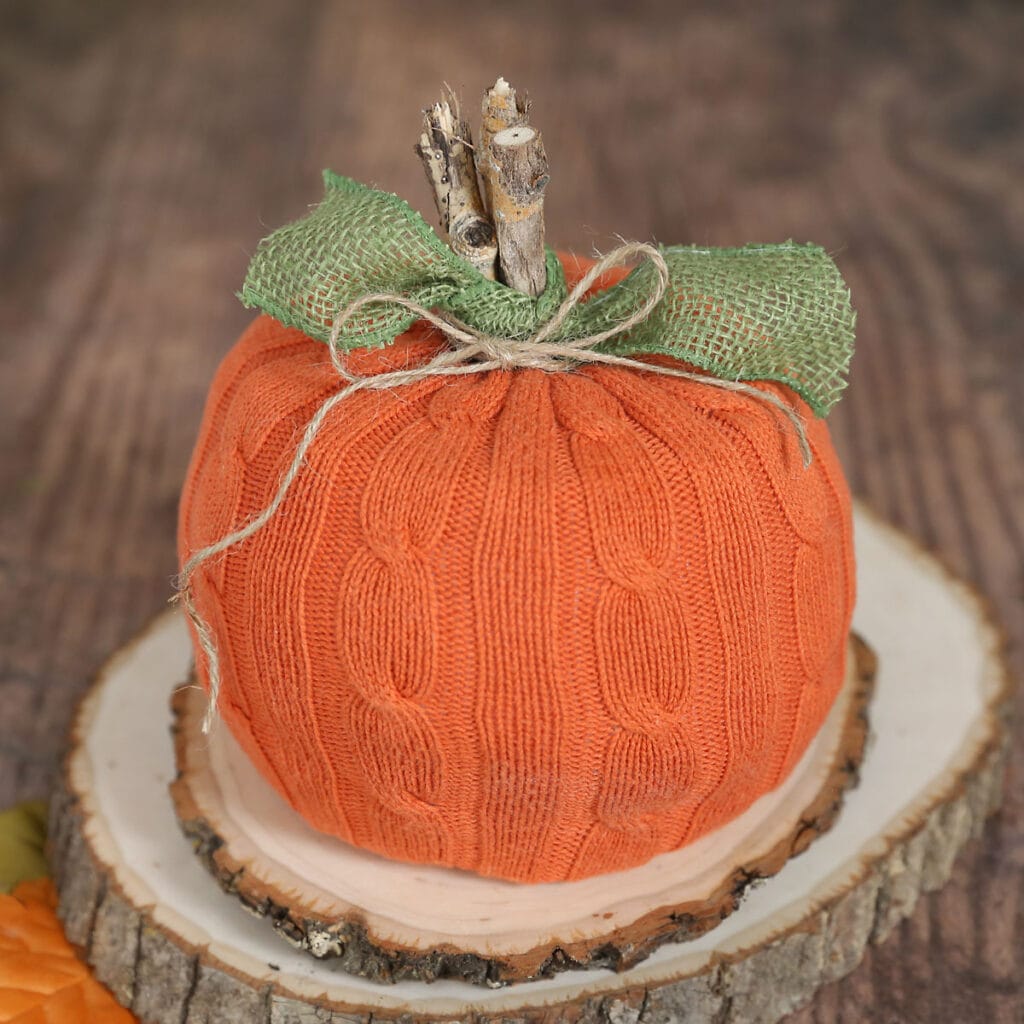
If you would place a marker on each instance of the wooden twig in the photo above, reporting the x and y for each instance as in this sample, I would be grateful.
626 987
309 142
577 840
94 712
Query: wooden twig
446 149
502 109
517 176
514 173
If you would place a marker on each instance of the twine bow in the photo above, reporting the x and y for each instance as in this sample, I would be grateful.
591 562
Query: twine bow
554 344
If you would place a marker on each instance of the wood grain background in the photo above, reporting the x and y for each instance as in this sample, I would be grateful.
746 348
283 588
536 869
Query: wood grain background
145 148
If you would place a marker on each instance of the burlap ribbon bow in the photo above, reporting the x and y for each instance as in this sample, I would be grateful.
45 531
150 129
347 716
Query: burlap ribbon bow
761 312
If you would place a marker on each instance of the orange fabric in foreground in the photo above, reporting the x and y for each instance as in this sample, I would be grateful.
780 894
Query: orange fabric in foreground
539 626
41 979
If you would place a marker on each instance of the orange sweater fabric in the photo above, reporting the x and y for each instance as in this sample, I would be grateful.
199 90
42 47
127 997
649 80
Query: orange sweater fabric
538 626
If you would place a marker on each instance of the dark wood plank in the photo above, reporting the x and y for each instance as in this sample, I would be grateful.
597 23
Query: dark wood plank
146 148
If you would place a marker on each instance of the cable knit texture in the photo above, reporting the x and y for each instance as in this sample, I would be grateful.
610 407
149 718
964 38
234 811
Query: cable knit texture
535 625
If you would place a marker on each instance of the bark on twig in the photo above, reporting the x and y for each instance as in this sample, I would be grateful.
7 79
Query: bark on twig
502 109
496 222
518 175
446 149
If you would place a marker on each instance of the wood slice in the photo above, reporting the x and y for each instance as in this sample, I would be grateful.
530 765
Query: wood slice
175 949
387 920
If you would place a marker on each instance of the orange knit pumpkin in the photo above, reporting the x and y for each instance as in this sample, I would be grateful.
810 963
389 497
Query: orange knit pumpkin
535 625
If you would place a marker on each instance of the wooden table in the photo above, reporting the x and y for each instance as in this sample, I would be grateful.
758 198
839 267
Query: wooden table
146 148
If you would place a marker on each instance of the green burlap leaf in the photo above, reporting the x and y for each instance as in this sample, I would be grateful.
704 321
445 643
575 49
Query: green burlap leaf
360 240
760 312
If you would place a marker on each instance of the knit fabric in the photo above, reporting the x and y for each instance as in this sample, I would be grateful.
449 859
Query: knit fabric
535 625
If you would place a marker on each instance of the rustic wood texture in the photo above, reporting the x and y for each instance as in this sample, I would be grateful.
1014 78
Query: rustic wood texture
513 170
518 176
147 930
164 978
445 150
146 148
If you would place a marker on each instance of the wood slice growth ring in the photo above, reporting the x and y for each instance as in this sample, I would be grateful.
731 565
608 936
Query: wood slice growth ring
387 920
175 949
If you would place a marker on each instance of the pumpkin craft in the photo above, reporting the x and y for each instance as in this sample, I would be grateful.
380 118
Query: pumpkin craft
536 569
572 586
538 626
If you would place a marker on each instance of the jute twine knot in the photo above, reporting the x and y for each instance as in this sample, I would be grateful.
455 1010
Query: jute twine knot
471 352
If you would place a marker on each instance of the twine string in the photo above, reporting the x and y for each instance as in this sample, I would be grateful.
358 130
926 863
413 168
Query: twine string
472 351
